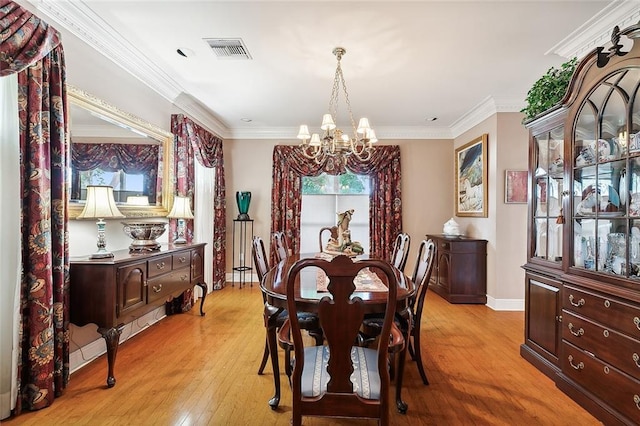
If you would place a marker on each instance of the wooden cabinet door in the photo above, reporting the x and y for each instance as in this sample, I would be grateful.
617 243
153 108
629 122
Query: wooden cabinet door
443 269
131 288
543 316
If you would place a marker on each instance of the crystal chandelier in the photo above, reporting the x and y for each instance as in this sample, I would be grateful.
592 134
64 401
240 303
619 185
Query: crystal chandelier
335 142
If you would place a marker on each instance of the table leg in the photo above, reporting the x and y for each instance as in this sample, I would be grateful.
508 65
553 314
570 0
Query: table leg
270 320
204 288
112 338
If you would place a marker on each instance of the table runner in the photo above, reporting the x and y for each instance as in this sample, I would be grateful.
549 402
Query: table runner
366 280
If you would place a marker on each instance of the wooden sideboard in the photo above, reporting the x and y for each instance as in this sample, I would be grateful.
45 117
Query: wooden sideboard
460 272
114 291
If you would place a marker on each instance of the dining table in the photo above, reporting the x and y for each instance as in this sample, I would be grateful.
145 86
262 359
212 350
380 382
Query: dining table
308 293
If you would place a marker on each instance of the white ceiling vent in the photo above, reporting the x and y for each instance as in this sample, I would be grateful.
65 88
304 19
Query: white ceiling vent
228 48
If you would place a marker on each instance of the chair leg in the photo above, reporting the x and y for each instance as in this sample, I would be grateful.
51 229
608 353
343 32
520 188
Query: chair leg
287 364
418 355
273 349
265 355
400 404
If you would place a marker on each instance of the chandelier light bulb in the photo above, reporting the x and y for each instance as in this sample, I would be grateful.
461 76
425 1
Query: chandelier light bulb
303 133
315 140
327 122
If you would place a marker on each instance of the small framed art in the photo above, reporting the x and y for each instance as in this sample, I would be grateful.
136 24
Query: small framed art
515 186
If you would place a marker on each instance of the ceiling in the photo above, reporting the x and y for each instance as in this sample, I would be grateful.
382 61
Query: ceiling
406 62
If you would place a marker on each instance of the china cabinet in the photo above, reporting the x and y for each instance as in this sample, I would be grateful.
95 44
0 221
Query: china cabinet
582 276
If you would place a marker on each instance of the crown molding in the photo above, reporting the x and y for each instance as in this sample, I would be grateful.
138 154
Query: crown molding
195 110
383 133
485 109
597 30
82 22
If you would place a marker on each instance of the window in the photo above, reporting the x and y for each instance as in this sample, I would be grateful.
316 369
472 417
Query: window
323 197
124 184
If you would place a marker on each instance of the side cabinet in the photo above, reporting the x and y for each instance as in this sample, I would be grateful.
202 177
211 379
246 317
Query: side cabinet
542 323
114 291
460 272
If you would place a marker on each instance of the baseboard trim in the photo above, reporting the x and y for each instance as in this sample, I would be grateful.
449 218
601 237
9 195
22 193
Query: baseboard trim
505 304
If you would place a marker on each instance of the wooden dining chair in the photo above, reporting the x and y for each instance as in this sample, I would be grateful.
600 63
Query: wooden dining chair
333 233
339 379
400 251
274 318
410 322
280 242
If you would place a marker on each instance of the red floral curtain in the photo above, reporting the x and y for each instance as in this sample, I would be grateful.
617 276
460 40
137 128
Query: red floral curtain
385 205
31 48
130 158
194 141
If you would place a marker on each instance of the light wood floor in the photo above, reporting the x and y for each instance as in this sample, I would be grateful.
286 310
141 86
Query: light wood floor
192 370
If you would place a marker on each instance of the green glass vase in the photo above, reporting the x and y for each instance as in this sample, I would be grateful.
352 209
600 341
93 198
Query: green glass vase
243 198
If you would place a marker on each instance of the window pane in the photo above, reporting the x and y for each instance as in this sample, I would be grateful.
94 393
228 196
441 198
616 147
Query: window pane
323 197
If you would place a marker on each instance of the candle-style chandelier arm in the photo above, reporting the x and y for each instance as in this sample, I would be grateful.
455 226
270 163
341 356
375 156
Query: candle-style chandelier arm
334 142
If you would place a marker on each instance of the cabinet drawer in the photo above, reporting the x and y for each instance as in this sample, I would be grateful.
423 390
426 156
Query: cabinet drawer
181 260
608 311
617 349
159 265
606 382
169 284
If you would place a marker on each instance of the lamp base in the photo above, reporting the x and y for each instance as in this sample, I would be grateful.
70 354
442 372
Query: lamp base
101 254
243 216
180 241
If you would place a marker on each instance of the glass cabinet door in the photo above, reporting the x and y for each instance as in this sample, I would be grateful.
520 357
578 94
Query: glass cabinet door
606 178
547 198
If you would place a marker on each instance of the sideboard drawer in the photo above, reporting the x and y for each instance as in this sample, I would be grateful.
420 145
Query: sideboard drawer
606 310
606 382
167 285
159 265
181 260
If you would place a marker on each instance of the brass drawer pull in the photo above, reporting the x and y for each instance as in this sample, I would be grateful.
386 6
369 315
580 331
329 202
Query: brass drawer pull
182 259
607 304
184 277
580 365
636 399
160 265
636 321
580 302
578 333
157 289
636 358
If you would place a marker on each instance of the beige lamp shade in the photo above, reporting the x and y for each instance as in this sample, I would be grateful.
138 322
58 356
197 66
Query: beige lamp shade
100 203
181 208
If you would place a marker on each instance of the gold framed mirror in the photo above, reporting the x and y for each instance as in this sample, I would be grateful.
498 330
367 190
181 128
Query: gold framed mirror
92 120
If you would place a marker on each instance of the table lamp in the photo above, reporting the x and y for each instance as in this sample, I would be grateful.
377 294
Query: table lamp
100 204
181 210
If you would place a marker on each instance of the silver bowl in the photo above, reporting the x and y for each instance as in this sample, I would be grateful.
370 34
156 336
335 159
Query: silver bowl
144 234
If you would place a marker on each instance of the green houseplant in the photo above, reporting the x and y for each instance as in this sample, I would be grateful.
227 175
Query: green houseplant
549 89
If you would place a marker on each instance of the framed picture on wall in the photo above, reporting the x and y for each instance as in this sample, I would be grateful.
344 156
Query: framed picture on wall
515 186
471 178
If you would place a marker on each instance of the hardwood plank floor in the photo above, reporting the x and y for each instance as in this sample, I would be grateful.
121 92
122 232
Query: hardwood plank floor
192 370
